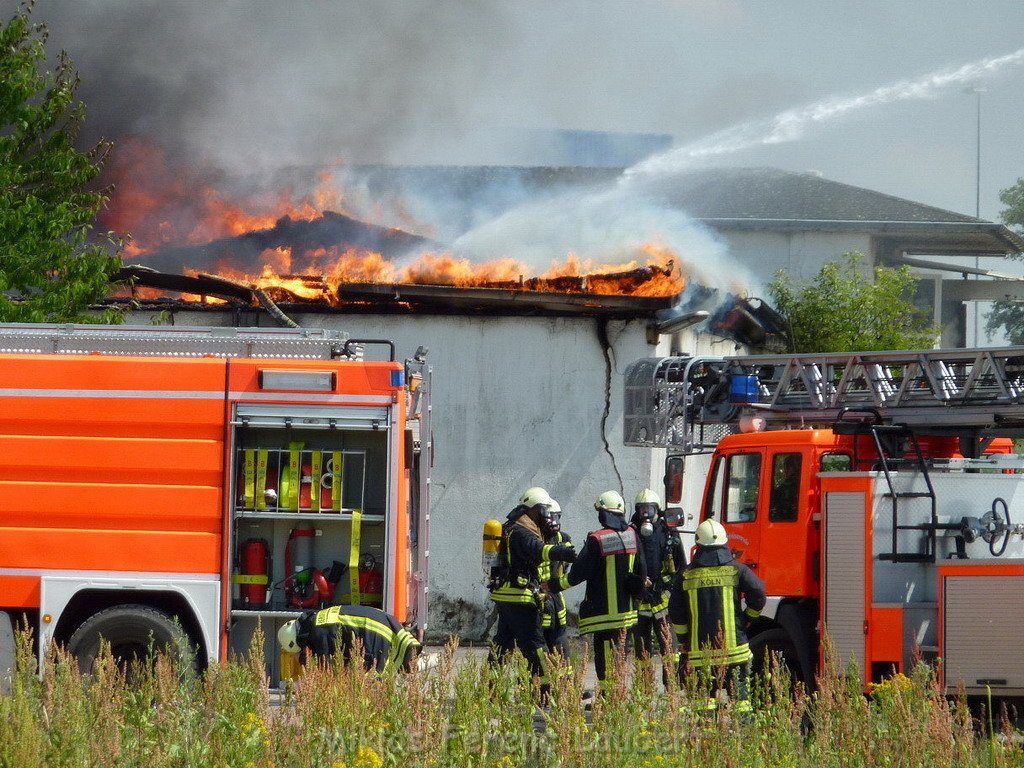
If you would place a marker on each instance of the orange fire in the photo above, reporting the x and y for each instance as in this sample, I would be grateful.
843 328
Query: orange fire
161 208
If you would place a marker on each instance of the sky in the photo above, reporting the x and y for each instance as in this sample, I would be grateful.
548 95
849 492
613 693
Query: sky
246 86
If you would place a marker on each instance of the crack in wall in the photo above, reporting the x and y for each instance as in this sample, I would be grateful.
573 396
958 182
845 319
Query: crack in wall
606 348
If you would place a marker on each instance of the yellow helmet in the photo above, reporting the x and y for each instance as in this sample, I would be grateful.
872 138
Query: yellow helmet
288 636
611 501
711 533
533 496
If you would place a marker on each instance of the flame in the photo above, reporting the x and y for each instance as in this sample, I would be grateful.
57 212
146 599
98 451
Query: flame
161 208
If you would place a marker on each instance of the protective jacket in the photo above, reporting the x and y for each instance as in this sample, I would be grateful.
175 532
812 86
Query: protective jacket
614 574
384 640
522 552
663 555
555 614
705 608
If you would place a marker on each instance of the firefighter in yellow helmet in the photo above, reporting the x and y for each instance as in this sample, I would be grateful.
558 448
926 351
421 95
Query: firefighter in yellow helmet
516 586
662 552
386 644
615 577
707 614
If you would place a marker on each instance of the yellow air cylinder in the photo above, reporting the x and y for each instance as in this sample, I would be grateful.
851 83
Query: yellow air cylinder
290 666
492 545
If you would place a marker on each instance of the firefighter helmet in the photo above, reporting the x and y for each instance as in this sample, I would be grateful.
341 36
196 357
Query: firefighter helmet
535 496
611 501
647 496
711 533
288 636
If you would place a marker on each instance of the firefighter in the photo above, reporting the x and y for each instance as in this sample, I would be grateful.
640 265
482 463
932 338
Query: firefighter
708 618
516 586
616 579
386 644
554 618
663 554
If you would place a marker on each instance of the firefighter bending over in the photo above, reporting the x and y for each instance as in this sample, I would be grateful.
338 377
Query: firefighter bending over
708 619
515 583
386 644
616 579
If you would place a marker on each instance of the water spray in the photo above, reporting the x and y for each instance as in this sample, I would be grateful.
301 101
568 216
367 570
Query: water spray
793 124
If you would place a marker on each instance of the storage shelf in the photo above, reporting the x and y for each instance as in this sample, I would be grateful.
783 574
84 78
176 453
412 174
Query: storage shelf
247 515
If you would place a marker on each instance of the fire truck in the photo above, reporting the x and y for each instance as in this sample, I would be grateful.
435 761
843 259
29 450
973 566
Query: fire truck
181 486
876 494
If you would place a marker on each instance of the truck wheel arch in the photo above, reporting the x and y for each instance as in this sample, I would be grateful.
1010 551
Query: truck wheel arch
89 603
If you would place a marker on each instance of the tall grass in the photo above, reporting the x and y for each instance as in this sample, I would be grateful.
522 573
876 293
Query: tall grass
466 713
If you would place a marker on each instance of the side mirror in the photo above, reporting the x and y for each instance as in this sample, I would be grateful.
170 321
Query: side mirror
673 517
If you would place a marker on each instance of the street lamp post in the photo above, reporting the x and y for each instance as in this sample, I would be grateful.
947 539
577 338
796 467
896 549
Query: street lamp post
977 191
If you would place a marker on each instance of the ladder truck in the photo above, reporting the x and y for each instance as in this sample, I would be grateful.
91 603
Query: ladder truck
179 486
876 494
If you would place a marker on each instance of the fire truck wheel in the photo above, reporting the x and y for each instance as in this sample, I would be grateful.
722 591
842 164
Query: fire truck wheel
131 630
775 642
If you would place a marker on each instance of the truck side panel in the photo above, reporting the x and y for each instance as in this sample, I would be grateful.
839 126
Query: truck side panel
109 464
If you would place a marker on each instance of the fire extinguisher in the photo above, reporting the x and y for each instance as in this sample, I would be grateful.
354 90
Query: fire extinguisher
371 582
254 572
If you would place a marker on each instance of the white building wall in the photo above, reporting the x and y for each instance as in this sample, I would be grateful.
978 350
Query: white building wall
517 402
799 254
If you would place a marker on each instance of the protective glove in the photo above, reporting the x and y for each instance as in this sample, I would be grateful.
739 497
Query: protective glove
566 553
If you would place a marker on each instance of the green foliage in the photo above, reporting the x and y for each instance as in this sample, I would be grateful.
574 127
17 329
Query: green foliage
842 310
1008 316
51 267
465 712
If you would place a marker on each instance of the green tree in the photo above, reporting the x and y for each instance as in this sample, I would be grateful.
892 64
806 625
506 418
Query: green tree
843 310
53 267
1008 316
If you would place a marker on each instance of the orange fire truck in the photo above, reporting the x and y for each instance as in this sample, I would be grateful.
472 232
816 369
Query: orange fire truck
876 494
187 483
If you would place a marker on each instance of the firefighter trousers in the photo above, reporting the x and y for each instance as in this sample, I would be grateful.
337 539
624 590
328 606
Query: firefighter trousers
519 627
607 646
658 626
556 639
735 678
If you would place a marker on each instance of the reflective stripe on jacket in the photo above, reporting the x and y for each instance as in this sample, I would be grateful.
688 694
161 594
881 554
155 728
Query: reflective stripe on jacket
706 611
614 575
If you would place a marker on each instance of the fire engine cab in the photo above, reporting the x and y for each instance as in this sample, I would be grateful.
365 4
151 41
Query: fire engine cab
876 494
189 483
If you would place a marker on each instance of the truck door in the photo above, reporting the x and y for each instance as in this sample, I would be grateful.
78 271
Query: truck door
733 497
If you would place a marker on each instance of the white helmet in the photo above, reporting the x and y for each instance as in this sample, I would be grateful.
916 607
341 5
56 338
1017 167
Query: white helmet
647 496
288 636
711 533
611 501
555 508
533 496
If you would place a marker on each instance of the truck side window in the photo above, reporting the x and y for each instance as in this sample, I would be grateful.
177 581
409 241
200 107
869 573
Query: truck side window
836 462
742 486
784 505
713 503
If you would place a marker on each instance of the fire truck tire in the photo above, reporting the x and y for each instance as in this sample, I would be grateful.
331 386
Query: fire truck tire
776 641
131 630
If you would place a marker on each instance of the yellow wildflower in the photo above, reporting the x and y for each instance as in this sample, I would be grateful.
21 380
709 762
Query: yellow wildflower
366 757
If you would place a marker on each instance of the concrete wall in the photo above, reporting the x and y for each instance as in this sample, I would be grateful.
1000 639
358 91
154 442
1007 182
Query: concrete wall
517 402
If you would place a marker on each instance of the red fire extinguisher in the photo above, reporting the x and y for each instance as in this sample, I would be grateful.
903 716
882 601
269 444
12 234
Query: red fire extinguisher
371 581
254 572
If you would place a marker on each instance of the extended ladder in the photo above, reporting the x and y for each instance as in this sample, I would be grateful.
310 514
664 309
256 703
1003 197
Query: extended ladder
687 403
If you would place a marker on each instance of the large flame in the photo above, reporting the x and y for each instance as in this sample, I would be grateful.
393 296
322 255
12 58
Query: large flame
160 209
